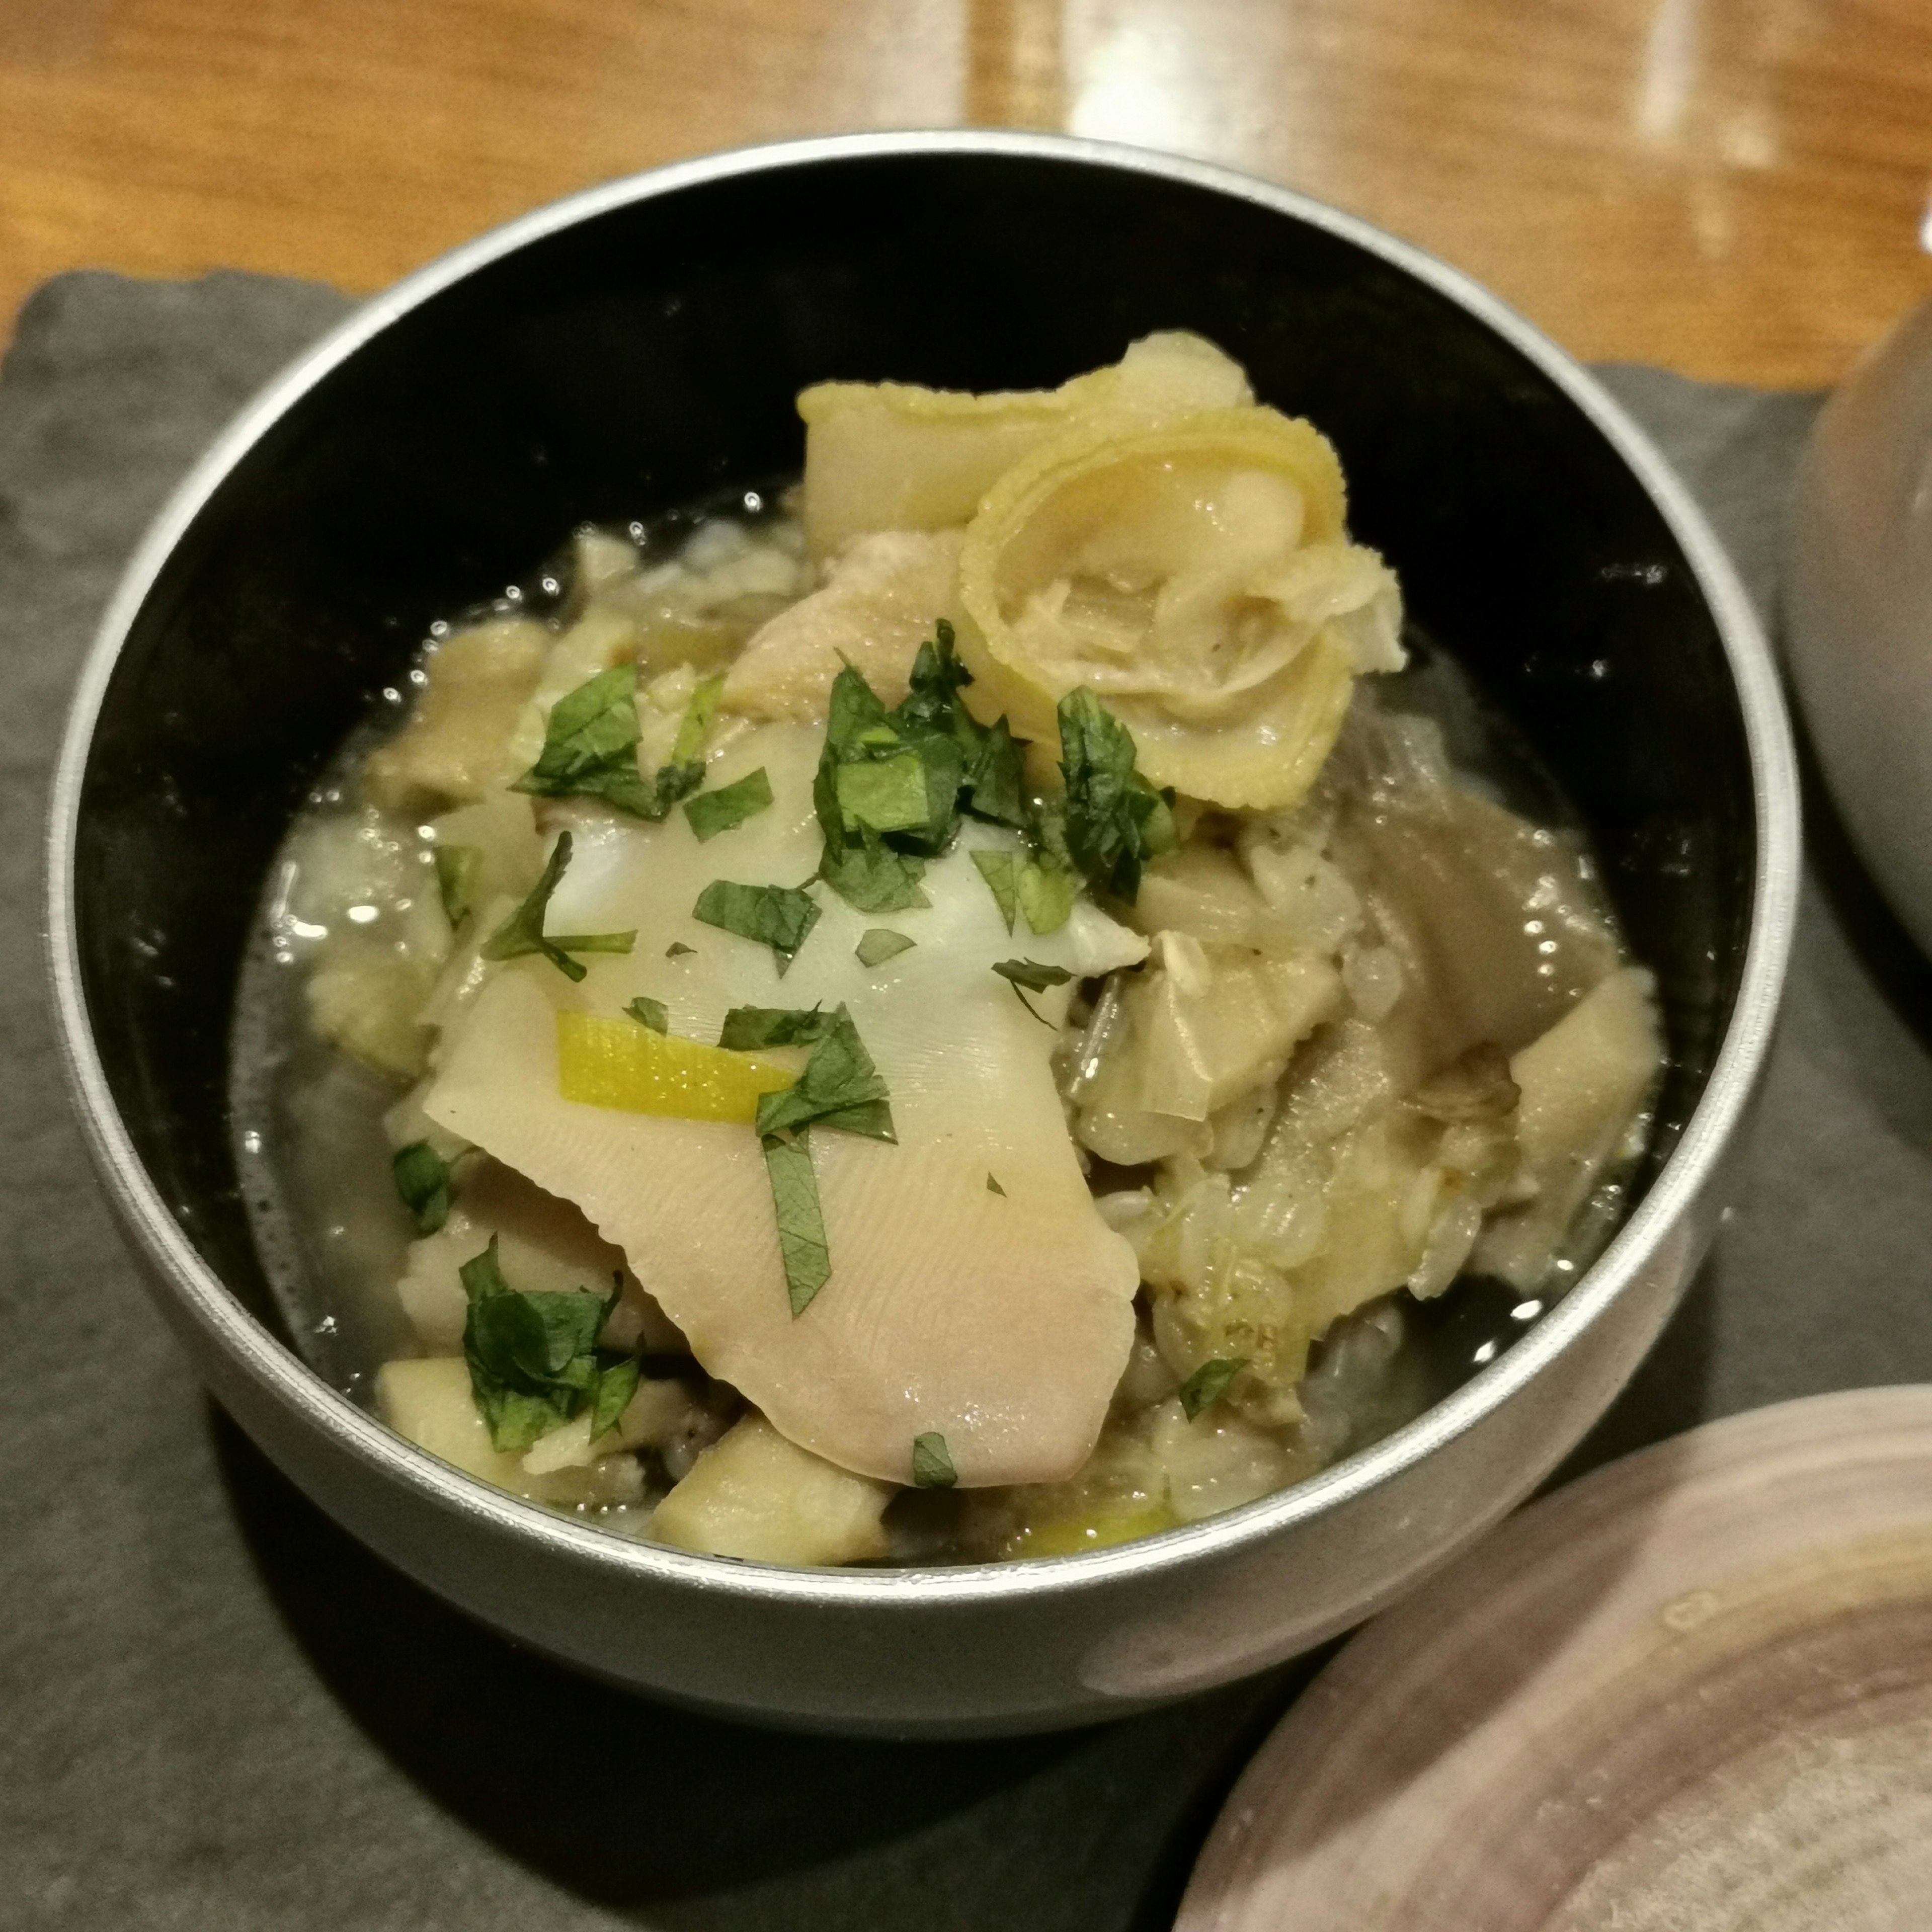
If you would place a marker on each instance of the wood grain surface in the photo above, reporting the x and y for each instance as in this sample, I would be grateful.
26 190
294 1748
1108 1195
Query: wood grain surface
1737 188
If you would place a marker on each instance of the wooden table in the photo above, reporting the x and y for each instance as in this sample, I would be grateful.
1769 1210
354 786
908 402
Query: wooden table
1737 188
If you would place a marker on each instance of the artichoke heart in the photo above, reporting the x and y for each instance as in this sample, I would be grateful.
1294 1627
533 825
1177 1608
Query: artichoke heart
1197 577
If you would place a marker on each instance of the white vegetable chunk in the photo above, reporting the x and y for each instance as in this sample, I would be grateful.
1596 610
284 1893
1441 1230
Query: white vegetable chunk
429 1401
1000 1321
1581 1085
874 611
753 1494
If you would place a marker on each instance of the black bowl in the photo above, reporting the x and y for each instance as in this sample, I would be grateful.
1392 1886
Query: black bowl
640 347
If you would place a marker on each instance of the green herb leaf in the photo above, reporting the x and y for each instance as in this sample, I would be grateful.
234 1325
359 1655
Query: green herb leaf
994 1187
932 1462
652 1013
887 795
840 1088
695 725
802 1243
522 932
590 747
746 1029
878 944
1001 870
456 867
422 1179
712 812
532 1356
677 949
1209 1383
1031 974
615 1388
1115 820
1046 892
779 916
870 876
996 776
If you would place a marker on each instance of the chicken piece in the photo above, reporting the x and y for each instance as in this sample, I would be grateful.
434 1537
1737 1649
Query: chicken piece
880 602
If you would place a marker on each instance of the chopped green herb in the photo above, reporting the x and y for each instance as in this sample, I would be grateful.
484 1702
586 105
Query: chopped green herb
616 1385
652 1013
677 949
1115 820
746 1029
590 747
1209 1383
1031 974
523 931
878 944
1035 978
456 867
887 796
532 1356
802 1243
891 784
932 1462
1001 870
840 1088
422 1179
712 812
994 1187
779 916
870 876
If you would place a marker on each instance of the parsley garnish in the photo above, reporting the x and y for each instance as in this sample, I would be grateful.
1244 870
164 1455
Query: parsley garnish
878 944
532 1356
652 1013
779 916
746 1029
1034 977
891 784
590 747
677 949
422 1179
1209 1383
840 1087
712 812
994 1187
932 1463
802 1243
456 869
523 931
1115 820
1038 886
1001 870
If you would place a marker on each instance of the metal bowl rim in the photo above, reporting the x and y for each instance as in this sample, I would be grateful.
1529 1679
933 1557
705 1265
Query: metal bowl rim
280 1374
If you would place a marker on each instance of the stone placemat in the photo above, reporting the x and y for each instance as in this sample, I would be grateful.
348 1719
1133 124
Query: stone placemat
217 1711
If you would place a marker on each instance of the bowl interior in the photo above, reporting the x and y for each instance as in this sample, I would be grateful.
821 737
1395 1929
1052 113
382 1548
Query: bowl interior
649 354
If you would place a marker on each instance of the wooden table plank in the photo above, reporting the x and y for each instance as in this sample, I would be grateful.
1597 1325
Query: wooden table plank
1735 187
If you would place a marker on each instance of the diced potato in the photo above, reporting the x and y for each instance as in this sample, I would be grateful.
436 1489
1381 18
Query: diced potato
1582 1085
456 742
880 602
430 1401
754 1495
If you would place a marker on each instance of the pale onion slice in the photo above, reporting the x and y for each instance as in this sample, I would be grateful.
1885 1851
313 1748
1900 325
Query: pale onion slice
1196 576
1000 1321
892 456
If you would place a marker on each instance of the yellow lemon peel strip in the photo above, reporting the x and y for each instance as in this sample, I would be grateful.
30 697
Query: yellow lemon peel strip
615 1063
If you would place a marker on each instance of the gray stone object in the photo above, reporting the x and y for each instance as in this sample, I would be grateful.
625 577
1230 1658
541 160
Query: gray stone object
218 1712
